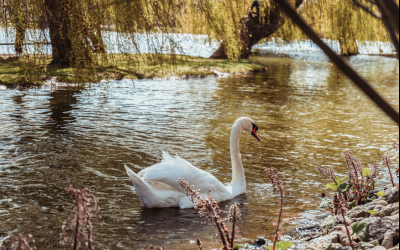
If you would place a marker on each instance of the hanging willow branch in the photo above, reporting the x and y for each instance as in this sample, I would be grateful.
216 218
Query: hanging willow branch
340 63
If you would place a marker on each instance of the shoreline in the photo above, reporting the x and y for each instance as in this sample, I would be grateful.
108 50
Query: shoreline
131 67
383 230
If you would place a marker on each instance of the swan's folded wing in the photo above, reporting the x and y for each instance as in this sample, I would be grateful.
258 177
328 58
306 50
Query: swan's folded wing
170 170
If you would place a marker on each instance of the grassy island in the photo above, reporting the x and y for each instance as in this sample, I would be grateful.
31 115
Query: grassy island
19 71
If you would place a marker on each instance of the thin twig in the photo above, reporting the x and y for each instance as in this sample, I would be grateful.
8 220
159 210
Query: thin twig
340 63
356 2
390 19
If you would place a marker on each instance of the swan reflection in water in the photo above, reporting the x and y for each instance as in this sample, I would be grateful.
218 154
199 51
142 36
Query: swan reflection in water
162 225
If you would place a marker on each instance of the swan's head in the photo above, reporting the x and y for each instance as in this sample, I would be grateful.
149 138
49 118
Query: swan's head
248 125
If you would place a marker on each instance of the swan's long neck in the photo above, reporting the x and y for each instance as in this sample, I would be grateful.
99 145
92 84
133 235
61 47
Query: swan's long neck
238 177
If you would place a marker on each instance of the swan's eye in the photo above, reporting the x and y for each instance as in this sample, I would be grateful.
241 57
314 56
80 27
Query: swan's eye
255 127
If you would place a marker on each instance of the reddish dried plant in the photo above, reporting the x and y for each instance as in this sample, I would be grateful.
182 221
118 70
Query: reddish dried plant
396 147
78 229
341 208
327 172
20 242
208 207
359 186
356 169
279 185
386 160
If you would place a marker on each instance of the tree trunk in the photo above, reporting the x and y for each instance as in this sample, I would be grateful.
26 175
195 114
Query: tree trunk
19 38
19 21
253 30
61 28
58 17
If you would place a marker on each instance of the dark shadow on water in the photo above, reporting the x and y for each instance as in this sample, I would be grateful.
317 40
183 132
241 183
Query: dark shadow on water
175 223
61 103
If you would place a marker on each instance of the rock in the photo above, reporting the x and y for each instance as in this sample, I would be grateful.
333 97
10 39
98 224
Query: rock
379 226
326 245
330 221
395 212
392 195
388 210
380 201
389 238
395 248
378 248
339 220
260 242
357 212
338 229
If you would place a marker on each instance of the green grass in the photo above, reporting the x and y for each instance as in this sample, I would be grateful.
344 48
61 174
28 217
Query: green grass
23 71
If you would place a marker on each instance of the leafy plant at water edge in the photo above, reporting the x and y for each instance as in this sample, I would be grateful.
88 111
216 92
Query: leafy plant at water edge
279 184
358 186
208 207
78 229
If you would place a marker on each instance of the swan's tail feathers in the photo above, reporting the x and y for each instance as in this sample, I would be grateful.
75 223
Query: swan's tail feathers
166 156
141 186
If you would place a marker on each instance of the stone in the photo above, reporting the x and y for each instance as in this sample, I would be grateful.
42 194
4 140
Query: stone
380 201
395 212
392 195
379 227
323 246
389 238
357 212
328 222
378 248
388 210
338 229
395 248
339 220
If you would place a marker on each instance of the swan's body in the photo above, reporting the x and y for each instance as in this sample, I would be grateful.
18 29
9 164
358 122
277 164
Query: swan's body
157 186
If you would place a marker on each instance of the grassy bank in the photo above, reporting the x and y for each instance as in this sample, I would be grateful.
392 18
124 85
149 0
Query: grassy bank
21 71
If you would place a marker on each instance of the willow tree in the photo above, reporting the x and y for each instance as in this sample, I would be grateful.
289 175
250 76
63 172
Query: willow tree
228 21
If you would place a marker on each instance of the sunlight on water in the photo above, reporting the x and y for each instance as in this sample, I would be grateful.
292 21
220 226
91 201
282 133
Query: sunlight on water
307 112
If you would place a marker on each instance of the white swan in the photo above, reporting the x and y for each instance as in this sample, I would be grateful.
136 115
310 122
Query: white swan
157 186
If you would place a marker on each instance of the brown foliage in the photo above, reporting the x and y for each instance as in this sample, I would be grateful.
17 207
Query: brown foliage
208 207
279 184
20 242
78 229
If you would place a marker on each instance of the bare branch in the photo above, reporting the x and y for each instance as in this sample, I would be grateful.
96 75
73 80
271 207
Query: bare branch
390 17
340 63
378 16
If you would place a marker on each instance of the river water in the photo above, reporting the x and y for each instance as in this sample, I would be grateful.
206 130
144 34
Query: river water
308 114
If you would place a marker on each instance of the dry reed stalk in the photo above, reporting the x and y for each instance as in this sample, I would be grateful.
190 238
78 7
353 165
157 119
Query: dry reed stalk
278 182
342 208
20 242
208 207
386 160
327 172
78 229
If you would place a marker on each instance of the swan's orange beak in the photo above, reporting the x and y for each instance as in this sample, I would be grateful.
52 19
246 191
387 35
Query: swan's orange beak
254 133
